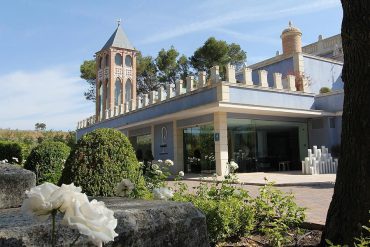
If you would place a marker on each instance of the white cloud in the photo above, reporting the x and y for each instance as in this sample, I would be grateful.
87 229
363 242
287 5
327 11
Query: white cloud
245 13
53 96
248 37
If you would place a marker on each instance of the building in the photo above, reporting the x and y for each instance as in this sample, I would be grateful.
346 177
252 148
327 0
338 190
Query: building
267 113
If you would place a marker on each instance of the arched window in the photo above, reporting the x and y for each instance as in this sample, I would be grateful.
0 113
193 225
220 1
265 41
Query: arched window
100 62
100 99
107 60
106 88
117 92
118 59
128 61
128 90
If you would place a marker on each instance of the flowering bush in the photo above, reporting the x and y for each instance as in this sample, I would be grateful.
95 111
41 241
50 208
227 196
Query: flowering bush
157 173
92 219
162 193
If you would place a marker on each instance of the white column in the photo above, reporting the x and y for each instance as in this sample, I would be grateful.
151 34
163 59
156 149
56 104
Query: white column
179 87
138 102
221 146
170 93
247 76
161 95
202 79
262 76
215 74
291 82
152 97
230 73
189 83
278 84
145 100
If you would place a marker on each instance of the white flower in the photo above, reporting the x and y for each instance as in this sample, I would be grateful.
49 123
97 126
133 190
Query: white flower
233 166
162 193
124 187
158 172
39 202
168 162
181 173
159 161
64 197
92 219
155 167
15 159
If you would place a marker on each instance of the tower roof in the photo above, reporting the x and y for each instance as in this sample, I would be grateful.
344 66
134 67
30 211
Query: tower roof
118 39
291 29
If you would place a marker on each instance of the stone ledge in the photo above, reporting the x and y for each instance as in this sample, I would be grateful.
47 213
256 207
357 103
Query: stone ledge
14 181
140 223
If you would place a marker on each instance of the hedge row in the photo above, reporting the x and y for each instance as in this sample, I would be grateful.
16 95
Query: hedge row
12 149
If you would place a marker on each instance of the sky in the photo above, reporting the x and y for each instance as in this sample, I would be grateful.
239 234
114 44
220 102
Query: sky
43 43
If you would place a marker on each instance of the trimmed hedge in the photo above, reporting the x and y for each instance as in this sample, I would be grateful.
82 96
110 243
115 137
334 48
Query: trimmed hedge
100 160
12 149
47 161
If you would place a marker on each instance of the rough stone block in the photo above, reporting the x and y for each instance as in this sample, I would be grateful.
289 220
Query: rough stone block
14 181
140 223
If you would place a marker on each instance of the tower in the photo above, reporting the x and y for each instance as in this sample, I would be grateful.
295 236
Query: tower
116 74
291 40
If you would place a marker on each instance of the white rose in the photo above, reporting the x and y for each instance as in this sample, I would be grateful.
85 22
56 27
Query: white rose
124 187
168 162
162 193
66 195
159 161
181 174
155 167
92 219
158 172
38 202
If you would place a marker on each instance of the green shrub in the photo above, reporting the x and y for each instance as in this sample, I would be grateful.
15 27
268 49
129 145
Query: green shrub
325 90
276 214
13 149
47 161
100 160
227 209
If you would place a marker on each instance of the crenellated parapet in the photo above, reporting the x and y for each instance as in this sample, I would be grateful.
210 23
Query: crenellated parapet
197 83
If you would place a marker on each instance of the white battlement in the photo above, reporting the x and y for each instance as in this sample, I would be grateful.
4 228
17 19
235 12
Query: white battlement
193 84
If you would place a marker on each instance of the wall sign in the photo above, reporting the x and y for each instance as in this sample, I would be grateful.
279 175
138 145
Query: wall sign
163 140
217 137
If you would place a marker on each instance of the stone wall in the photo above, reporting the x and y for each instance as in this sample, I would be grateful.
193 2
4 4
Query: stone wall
140 223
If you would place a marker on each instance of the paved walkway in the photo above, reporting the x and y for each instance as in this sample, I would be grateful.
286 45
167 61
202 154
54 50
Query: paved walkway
313 192
288 178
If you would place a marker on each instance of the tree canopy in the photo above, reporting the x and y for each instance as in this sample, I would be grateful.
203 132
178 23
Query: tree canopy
217 52
88 73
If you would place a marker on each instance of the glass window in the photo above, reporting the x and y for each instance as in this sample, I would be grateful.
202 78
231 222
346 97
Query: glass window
100 100
260 145
117 92
142 145
118 59
100 62
199 149
128 91
106 95
107 60
128 61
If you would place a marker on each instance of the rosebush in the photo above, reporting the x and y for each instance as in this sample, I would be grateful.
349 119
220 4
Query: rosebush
47 161
100 160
